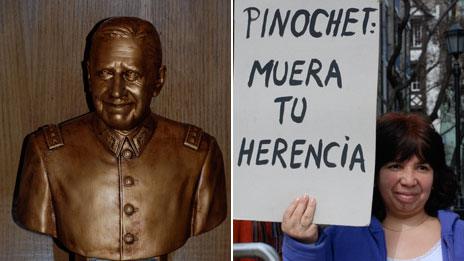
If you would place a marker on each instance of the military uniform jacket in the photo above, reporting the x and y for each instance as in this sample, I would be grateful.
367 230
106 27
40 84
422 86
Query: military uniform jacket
107 195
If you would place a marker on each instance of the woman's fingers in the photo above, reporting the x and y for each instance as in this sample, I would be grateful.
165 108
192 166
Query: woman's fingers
300 208
289 211
308 214
298 218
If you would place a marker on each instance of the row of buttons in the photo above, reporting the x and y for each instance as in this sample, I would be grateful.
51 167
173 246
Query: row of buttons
129 209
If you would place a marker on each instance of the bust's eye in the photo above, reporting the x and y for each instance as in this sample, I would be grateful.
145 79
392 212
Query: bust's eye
105 74
131 76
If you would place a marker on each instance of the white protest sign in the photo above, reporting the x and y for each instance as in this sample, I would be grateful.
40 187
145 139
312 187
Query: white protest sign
305 87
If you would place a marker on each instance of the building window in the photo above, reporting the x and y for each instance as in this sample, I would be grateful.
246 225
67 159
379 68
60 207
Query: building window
415 86
416 102
415 96
416 35
397 6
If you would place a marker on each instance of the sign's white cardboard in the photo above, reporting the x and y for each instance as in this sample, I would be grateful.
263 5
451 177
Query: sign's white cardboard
305 87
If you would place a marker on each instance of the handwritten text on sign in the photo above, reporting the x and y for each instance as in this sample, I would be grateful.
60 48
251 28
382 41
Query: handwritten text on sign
305 77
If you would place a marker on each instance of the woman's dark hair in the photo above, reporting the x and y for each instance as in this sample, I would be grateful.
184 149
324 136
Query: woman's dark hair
401 136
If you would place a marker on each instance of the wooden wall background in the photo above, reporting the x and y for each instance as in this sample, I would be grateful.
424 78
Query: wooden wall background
41 49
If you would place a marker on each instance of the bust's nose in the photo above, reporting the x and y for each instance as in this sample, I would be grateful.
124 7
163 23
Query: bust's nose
118 88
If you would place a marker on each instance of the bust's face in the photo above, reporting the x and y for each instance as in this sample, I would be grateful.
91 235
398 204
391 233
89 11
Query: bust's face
121 84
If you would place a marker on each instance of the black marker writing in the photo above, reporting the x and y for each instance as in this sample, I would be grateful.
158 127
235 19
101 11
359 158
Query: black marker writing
303 22
301 73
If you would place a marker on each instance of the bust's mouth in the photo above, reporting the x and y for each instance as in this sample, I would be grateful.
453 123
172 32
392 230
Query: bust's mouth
118 104
117 107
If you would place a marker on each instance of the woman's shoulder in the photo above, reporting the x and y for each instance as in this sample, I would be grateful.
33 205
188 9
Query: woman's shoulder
450 222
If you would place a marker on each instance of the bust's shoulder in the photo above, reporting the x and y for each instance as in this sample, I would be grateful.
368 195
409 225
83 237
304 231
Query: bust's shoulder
187 135
52 135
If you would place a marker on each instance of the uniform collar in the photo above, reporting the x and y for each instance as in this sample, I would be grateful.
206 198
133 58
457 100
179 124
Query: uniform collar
127 145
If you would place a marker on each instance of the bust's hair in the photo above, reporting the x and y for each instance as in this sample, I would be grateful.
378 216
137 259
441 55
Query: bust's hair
133 28
401 136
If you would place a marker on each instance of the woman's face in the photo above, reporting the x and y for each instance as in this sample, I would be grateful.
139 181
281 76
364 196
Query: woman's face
405 186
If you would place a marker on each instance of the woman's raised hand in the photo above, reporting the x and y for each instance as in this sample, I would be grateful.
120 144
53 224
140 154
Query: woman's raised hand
298 220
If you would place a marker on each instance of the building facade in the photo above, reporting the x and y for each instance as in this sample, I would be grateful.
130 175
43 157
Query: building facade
421 71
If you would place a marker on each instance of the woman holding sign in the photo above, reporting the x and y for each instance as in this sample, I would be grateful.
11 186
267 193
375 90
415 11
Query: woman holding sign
413 186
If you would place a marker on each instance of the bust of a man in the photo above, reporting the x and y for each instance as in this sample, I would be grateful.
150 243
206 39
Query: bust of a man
121 182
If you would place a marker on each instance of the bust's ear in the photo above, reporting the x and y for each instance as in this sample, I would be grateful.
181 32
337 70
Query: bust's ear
159 81
87 65
88 70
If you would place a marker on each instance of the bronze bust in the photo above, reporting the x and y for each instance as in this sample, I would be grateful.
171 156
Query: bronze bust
121 182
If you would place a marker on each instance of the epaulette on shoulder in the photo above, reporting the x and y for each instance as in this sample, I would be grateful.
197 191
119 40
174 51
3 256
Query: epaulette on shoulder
193 137
52 136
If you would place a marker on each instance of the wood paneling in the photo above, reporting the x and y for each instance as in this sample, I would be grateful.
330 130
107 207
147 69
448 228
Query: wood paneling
41 50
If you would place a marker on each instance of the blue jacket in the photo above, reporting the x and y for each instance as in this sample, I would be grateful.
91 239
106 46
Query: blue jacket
339 243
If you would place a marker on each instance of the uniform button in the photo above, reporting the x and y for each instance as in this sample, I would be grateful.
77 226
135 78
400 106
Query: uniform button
128 181
129 209
127 154
129 238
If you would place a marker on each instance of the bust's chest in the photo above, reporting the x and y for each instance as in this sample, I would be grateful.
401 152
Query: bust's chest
93 190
